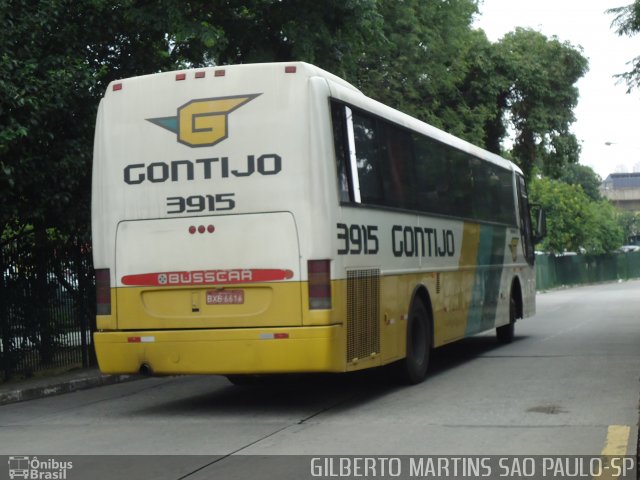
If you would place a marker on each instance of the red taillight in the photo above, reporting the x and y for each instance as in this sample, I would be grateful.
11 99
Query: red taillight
117 86
290 69
181 76
319 273
200 74
219 73
103 291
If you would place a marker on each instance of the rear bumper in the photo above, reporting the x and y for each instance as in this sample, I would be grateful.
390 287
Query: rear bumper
223 351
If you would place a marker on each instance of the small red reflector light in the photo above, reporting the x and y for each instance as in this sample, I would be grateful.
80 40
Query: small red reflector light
201 229
200 74
290 69
181 76
219 73
192 229
117 86
319 275
134 339
103 291
280 336
211 229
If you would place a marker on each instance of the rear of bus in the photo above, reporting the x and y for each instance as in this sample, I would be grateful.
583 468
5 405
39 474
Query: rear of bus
208 186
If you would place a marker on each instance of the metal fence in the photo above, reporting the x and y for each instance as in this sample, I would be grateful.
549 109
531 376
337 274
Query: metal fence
556 271
47 306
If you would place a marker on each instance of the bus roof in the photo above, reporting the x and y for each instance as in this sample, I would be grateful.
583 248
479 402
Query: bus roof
300 68
308 71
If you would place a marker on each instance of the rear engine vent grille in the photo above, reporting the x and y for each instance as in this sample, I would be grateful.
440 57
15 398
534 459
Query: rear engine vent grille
363 313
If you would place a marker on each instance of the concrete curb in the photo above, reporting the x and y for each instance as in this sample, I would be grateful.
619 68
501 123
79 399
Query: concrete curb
21 394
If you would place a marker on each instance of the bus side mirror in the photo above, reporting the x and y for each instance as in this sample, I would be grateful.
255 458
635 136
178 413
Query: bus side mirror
540 230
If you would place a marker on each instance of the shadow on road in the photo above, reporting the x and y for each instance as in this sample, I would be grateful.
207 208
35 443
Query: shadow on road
455 354
309 394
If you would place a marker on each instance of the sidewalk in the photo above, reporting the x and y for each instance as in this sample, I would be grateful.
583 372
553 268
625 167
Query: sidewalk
39 387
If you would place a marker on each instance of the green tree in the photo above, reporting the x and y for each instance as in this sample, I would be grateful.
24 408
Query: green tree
575 222
566 209
487 86
586 177
540 75
627 22
605 231
421 61
331 34
629 223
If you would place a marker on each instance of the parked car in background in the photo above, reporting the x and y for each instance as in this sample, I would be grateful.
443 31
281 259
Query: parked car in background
629 248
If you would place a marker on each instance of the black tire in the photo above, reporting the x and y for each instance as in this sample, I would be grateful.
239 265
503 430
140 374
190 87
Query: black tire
413 368
506 333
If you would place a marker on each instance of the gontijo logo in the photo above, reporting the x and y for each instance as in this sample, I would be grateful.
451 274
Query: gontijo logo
203 122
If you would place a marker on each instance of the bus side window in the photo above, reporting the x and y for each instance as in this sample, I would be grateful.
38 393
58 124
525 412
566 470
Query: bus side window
432 176
369 151
341 151
461 199
525 220
398 180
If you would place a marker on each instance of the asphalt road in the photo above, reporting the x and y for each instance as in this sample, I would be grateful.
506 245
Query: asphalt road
568 385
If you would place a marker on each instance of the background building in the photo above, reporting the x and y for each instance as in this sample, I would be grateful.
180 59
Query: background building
623 189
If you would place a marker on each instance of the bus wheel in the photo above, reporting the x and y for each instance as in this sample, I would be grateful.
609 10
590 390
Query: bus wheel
506 333
413 368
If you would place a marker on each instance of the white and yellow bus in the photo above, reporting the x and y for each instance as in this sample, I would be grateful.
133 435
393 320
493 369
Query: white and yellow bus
271 218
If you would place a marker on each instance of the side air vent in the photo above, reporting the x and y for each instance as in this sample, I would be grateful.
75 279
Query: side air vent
363 313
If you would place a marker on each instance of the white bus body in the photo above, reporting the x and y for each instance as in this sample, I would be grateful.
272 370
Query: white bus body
232 235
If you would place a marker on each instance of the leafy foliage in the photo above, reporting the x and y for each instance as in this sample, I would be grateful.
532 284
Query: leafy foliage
565 208
605 232
540 75
630 224
586 177
627 22
575 222
421 62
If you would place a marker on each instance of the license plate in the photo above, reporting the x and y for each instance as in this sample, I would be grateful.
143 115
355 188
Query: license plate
225 297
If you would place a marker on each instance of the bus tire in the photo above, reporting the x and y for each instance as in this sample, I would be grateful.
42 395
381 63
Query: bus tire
413 368
506 333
